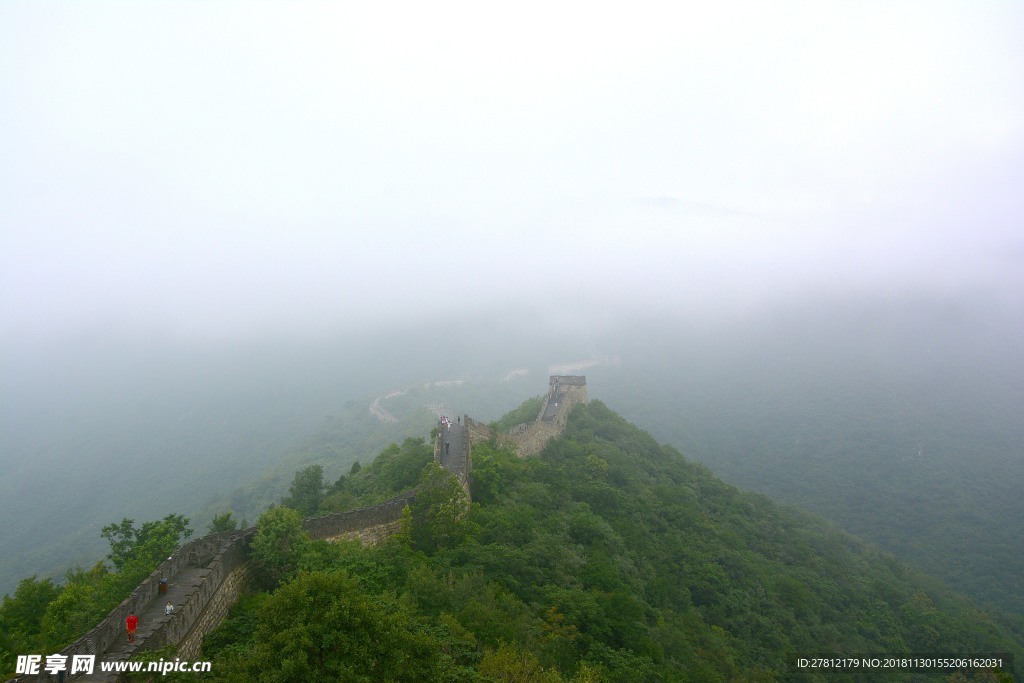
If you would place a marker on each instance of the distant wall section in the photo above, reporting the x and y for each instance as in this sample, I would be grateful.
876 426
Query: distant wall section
565 392
369 525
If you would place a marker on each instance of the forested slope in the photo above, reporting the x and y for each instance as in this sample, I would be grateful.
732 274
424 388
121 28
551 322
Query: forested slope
899 420
610 557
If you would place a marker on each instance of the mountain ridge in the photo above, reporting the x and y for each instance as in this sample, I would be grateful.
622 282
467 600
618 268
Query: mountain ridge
633 564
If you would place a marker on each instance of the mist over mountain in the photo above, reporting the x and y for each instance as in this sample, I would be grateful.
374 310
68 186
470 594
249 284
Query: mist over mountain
236 242
899 417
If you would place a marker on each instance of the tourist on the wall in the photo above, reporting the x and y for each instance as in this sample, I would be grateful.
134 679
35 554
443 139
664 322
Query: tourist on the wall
131 623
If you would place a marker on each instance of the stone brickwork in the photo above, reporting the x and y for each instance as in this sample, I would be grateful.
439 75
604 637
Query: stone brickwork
370 535
531 441
234 571
365 523
201 606
478 432
464 466
565 392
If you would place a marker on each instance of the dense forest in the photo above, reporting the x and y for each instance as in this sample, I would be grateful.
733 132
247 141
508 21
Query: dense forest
610 557
901 420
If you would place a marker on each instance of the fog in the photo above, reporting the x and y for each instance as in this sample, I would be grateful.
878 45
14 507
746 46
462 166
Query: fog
221 221
229 170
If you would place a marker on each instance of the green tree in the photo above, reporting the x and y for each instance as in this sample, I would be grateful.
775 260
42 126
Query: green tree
306 491
440 510
23 611
122 538
510 664
222 523
70 615
399 467
321 626
21 616
149 544
279 542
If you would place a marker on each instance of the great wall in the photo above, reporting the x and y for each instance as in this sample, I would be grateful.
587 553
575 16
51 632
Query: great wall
205 577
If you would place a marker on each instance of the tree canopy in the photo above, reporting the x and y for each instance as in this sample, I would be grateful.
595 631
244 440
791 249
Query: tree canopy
609 557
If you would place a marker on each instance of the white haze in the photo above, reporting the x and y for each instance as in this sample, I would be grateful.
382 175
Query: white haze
230 170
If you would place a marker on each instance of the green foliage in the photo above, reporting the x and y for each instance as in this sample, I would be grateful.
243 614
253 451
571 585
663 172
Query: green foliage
913 445
222 523
395 470
23 611
439 511
21 616
398 468
510 664
525 413
494 471
148 545
321 626
306 491
238 628
279 543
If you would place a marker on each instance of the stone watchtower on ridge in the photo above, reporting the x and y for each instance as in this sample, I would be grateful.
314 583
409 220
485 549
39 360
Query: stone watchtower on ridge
564 392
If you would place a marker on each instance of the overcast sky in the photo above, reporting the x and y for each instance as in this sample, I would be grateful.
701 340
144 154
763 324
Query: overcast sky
228 168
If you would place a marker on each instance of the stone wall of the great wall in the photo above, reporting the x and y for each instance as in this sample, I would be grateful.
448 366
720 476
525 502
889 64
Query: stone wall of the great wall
564 393
213 598
224 557
370 524
219 554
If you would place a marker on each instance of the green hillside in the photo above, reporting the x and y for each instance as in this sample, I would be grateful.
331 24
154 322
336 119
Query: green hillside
900 421
610 557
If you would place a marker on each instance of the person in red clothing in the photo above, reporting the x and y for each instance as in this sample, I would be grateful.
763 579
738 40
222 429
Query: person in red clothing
131 623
